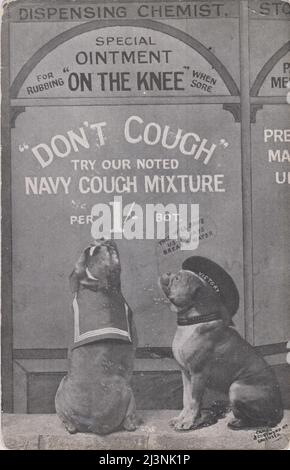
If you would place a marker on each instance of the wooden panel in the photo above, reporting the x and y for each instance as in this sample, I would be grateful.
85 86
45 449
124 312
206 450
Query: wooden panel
271 230
156 384
41 391
20 394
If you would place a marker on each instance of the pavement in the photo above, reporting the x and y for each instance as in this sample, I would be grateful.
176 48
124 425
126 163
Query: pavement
45 432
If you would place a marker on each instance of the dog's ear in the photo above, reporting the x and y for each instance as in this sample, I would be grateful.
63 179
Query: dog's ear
78 273
97 243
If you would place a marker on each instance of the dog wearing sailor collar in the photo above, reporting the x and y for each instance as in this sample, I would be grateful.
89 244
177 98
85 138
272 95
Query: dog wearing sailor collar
211 354
95 396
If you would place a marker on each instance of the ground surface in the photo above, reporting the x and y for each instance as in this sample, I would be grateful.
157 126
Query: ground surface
45 431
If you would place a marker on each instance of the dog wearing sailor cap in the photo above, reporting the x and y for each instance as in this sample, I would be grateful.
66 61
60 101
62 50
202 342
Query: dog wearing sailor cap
95 396
212 354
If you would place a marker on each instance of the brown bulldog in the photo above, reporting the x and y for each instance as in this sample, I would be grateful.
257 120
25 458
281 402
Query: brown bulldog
96 396
212 354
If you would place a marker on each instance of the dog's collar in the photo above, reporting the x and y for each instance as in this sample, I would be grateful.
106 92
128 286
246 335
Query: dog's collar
183 321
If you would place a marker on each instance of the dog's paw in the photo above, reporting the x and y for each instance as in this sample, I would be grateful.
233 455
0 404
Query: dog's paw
238 424
190 422
185 422
173 421
70 427
184 425
131 423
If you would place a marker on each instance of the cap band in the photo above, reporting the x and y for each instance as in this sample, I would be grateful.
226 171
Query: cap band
209 281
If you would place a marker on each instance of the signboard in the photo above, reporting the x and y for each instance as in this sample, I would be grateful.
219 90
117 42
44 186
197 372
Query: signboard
160 126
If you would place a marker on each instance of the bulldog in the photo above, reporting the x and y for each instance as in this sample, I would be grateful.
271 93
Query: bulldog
212 354
95 396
